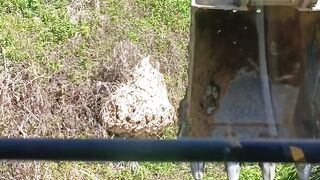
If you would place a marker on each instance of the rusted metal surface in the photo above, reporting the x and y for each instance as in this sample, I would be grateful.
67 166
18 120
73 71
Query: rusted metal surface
225 94
253 74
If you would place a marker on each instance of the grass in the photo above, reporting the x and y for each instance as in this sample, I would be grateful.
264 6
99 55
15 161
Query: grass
53 52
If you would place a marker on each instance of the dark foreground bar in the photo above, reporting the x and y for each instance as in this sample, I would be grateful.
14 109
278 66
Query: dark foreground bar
164 150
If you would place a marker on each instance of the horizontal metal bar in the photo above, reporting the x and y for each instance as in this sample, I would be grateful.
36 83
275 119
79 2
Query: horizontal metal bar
159 150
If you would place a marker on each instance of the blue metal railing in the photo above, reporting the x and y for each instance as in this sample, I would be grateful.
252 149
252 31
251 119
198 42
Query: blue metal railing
160 150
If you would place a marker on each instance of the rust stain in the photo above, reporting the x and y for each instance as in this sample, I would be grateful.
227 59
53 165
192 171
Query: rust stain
297 154
226 42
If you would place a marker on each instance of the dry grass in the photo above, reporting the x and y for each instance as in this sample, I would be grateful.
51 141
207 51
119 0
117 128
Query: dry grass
35 106
59 62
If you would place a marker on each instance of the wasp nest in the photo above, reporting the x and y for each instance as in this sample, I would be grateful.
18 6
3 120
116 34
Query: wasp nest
139 108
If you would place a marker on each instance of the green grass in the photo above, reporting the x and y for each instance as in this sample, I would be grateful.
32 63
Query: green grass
73 45
45 25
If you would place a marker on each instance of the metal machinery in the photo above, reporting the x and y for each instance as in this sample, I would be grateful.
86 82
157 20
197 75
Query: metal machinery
253 74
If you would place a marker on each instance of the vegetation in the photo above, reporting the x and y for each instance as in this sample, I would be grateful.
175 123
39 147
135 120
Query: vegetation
52 50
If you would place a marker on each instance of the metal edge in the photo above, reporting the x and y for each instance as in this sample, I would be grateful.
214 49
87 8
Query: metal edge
315 5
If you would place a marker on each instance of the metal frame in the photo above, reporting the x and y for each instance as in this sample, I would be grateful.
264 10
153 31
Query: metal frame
262 150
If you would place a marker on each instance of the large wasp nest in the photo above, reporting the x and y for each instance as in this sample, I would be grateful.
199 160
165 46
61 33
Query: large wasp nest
139 108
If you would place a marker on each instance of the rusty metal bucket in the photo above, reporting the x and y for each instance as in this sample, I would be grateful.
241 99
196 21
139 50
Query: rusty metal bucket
254 70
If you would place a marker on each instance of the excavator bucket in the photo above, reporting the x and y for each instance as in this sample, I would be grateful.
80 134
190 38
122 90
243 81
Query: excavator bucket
254 71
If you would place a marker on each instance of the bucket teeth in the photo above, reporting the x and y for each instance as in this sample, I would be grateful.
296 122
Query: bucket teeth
303 170
233 170
268 170
197 170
